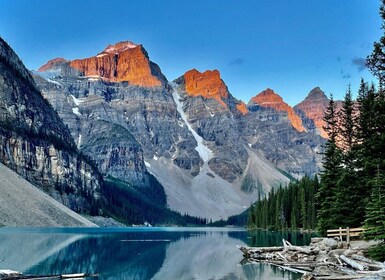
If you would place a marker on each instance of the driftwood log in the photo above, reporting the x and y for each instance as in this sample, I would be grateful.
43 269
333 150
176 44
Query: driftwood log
323 259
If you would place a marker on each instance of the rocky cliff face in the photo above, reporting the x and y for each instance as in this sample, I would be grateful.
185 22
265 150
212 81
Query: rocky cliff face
269 99
312 110
36 144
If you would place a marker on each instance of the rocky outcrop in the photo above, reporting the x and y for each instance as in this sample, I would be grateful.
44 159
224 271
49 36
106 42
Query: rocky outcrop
207 84
36 144
269 99
312 110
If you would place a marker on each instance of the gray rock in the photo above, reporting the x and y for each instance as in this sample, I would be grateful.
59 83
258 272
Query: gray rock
35 143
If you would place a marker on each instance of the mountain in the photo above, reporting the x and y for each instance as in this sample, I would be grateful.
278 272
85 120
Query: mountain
36 144
312 109
212 154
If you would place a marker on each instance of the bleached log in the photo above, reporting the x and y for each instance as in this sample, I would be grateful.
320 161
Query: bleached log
353 263
252 250
340 277
369 261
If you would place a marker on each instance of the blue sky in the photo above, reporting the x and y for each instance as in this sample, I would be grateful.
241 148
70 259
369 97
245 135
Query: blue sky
289 46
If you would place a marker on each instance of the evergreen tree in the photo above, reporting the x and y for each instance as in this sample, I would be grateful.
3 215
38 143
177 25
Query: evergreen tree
350 203
375 217
291 207
332 171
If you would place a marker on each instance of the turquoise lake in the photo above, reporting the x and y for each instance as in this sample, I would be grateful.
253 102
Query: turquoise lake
141 253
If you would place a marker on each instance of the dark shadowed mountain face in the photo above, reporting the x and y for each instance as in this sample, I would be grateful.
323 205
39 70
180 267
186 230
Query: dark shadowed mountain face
36 144
213 154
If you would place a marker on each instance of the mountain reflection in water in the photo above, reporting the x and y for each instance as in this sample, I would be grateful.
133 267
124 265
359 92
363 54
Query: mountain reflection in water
138 253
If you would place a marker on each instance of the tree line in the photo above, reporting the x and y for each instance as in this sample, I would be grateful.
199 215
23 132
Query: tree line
290 207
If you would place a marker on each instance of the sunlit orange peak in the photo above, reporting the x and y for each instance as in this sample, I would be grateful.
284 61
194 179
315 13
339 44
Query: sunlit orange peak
207 84
269 99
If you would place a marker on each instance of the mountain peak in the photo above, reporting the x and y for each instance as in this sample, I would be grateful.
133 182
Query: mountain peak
52 64
121 62
269 99
207 84
120 47
267 96
316 94
314 106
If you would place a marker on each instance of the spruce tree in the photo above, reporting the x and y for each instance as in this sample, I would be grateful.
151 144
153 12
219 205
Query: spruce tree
375 217
350 203
326 195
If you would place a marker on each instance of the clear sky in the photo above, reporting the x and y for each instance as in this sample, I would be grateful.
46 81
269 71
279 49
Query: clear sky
290 46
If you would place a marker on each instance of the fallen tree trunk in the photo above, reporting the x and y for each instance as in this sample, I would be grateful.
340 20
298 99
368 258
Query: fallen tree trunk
353 263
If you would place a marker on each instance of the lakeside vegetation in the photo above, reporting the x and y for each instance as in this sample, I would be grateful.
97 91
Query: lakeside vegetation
292 207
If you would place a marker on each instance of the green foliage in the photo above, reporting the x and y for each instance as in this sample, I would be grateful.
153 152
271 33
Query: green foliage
291 207
236 220
326 195
375 214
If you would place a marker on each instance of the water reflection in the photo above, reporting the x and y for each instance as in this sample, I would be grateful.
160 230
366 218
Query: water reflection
136 253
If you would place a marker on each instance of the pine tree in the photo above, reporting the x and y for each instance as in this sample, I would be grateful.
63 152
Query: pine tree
350 203
326 195
375 217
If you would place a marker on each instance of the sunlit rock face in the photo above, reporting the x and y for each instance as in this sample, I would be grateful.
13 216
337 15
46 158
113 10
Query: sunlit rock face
313 108
269 99
121 62
207 84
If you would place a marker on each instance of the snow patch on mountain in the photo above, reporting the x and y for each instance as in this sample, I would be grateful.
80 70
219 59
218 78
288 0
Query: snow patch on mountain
204 152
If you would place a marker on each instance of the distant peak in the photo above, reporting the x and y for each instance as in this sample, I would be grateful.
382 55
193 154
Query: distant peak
207 84
206 74
52 63
269 99
316 93
120 47
267 95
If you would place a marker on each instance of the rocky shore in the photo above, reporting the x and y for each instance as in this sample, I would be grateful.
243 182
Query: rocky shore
323 259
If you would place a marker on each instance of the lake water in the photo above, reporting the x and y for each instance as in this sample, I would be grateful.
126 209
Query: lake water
140 253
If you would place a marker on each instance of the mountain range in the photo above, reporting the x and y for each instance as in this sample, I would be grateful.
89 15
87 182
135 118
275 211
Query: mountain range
122 119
